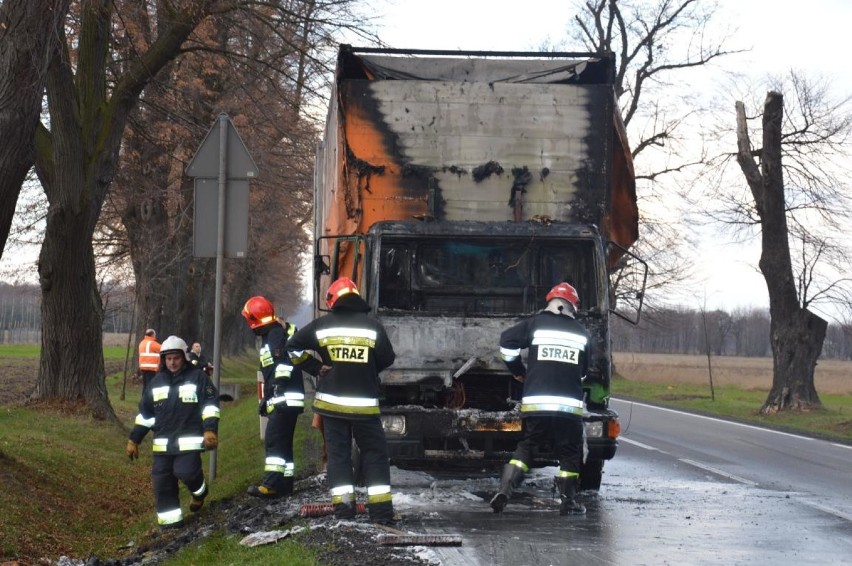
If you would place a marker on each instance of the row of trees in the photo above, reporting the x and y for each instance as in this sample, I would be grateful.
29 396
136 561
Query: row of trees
742 332
131 88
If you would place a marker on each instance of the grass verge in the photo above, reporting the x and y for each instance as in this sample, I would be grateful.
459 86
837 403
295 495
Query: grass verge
833 421
69 489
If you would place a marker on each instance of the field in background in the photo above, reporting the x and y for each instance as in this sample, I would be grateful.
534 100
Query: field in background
832 377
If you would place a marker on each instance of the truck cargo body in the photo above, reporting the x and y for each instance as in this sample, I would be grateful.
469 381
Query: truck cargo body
457 189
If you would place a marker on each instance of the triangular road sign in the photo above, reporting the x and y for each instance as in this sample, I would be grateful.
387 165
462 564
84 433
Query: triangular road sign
239 164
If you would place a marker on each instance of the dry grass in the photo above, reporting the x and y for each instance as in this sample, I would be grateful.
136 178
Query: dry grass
832 376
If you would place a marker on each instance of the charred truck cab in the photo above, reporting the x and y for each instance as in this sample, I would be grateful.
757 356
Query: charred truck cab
457 189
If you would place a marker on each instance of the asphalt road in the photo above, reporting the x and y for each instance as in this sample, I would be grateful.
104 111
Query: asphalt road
683 489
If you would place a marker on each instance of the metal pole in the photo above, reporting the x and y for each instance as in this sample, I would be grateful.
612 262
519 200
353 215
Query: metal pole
220 255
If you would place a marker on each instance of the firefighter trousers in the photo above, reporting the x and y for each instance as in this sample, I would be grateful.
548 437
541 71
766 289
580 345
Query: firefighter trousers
166 471
565 434
375 467
279 466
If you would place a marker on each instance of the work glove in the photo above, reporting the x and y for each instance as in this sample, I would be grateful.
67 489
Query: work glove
132 450
261 409
211 441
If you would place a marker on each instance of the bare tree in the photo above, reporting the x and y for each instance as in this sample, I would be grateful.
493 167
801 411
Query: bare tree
28 29
657 44
76 161
797 334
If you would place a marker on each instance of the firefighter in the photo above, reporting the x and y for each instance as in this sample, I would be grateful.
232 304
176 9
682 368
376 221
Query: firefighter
354 348
283 398
552 404
181 406
149 357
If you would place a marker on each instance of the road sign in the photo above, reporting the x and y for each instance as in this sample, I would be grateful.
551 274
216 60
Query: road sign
221 167
205 224
238 165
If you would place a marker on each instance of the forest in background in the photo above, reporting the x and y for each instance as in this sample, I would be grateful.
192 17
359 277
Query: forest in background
742 332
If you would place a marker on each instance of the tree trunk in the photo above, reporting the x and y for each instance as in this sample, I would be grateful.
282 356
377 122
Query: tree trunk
72 316
26 28
796 345
796 334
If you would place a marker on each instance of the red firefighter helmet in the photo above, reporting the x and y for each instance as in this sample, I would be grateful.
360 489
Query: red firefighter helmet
566 292
258 312
342 286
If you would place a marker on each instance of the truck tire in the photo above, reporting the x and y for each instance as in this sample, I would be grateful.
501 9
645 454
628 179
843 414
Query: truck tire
590 475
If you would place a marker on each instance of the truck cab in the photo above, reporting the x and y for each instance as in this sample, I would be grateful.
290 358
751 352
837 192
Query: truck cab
457 188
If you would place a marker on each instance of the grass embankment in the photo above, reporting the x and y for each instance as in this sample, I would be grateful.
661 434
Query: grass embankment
69 489
833 421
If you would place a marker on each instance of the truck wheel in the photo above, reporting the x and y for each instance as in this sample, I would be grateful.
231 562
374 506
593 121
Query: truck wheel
590 475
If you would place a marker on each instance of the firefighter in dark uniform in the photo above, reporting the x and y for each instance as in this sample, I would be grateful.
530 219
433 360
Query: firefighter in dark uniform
552 405
354 348
181 407
283 398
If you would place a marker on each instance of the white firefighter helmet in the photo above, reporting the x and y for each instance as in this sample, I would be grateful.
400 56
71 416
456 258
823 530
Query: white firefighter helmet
174 344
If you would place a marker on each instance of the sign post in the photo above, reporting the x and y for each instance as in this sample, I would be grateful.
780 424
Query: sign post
222 157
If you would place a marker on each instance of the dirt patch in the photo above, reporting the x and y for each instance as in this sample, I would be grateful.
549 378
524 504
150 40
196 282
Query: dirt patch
18 378
832 377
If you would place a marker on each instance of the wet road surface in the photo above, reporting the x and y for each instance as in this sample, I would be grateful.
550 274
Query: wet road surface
724 496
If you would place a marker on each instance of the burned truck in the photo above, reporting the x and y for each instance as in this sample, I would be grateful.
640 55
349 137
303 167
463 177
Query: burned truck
457 188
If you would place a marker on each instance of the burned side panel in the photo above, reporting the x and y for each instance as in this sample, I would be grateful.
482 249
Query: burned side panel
465 150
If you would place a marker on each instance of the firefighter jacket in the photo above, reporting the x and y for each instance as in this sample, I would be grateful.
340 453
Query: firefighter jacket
557 360
282 382
149 354
356 347
178 408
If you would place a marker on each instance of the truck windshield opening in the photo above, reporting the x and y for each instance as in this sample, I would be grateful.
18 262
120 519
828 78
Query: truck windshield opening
486 277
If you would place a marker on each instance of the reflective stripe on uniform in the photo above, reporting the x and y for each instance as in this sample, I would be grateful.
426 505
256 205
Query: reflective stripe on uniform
142 421
283 371
352 405
210 412
551 403
520 464
378 494
200 490
160 444
342 494
275 464
566 474
298 356
558 338
290 398
169 517
160 393
186 443
510 354
347 336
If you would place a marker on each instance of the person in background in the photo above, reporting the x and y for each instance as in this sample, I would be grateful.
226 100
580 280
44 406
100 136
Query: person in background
354 348
283 398
552 404
149 357
198 360
181 407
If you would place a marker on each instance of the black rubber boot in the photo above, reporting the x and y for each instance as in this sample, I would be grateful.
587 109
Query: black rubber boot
568 487
382 513
345 511
511 478
197 502
287 486
263 492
